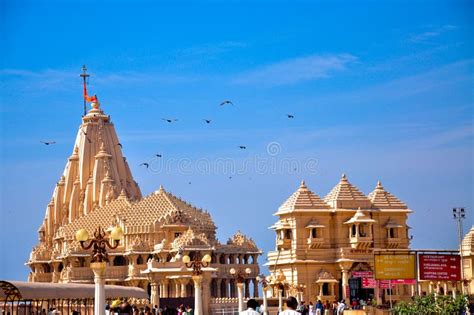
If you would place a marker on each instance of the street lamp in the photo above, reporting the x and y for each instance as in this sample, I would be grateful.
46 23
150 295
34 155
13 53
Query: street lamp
299 291
197 264
459 215
99 259
264 282
240 276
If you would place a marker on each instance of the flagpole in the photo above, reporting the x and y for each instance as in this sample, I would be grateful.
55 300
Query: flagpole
84 75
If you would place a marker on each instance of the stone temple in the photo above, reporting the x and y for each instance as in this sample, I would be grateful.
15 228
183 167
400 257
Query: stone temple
97 189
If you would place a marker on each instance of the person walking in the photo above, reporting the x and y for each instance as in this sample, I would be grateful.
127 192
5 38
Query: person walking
252 306
311 309
291 305
341 307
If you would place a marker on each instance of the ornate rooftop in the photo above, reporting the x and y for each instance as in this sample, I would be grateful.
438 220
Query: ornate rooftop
346 195
382 199
301 200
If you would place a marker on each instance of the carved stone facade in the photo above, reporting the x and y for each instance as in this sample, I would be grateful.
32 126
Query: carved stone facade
97 189
322 243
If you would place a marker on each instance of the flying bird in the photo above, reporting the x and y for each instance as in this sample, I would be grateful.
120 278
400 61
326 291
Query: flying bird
48 142
226 102
230 177
208 121
169 120
242 147
145 164
158 155
290 116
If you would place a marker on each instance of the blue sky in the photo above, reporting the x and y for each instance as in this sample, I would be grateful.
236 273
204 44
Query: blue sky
379 90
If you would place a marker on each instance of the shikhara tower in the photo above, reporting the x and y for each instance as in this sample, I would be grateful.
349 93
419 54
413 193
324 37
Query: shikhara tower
96 173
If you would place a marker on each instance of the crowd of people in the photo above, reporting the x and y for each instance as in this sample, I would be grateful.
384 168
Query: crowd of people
126 308
293 308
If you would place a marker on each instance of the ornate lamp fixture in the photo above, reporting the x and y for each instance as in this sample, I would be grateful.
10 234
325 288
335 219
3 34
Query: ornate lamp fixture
197 263
263 280
99 259
99 242
240 274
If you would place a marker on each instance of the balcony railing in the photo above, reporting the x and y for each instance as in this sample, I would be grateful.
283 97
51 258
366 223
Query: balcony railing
360 241
315 242
284 243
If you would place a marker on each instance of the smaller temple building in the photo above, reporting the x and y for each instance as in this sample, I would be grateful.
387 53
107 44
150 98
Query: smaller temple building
468 260
325 246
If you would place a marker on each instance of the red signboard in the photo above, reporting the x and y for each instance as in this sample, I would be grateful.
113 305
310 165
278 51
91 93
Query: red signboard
369 283
440 267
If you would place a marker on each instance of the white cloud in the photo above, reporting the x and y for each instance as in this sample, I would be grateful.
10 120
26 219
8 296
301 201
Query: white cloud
423 37
295 70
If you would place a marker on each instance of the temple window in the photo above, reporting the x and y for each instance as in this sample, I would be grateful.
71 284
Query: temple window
46 268
119 261
353 230
139 260
314 233
288 234
362 230
222 259
392 233
60 267
326 288
177 234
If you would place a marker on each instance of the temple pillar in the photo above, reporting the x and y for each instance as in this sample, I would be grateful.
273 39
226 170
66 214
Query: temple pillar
177 288
183 283
197 295
255 288
155 298
226 287
206 293
240 296
164 286
247 288
218 288
232 288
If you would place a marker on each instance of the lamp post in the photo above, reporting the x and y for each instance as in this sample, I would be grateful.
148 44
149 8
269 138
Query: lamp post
240 275
264 282
197 264
299 291
459 215
99 260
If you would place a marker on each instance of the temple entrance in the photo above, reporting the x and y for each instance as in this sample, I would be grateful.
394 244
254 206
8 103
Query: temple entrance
358 292
173 303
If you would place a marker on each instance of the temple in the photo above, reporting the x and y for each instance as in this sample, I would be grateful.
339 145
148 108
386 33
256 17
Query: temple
97 189
326 246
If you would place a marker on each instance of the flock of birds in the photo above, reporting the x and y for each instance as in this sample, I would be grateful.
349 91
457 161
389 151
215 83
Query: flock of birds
169 120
